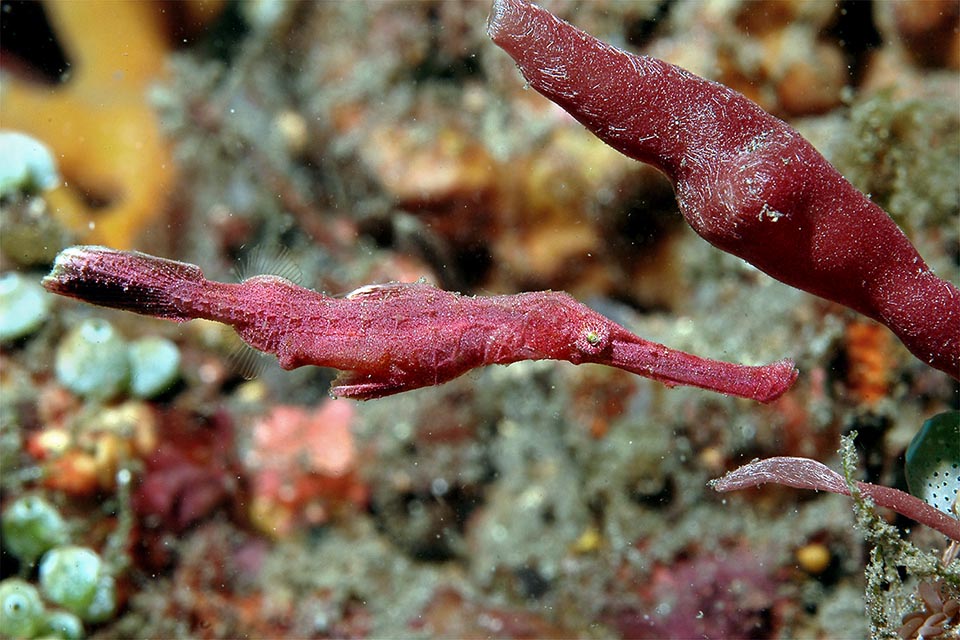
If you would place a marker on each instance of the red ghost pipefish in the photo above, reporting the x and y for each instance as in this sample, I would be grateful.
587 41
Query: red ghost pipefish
745 181
390 338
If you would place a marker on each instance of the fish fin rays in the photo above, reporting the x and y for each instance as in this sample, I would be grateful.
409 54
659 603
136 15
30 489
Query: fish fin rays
246 361
272 260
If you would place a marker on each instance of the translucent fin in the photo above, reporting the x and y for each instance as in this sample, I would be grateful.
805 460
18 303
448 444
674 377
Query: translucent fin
246 361
271 260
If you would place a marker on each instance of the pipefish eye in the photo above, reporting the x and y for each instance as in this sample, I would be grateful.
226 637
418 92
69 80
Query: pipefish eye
592 340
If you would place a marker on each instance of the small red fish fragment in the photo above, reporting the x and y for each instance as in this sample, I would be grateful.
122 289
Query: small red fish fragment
804 473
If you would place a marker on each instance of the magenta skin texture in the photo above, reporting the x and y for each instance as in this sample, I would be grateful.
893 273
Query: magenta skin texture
745 181
803 473
392 338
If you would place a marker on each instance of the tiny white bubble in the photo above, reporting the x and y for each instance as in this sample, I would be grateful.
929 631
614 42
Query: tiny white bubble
439 487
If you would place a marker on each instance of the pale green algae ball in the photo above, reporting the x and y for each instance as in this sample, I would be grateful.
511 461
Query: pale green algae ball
24 306
21 610
26 165
92 360
76 579
61 624
154 366
31 526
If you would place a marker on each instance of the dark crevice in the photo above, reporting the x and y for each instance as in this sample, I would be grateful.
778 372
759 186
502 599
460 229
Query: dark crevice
440 64
855 32
29 45
641 30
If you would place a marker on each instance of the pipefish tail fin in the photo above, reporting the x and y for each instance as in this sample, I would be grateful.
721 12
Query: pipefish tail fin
126 280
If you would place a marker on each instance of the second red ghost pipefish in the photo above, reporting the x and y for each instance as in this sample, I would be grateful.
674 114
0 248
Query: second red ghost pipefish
745 180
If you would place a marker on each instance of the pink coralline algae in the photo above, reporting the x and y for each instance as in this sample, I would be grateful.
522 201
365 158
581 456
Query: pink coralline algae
392 338
301 464
745 180
320 441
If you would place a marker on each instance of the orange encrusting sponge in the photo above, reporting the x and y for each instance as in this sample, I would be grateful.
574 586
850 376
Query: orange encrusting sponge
116 165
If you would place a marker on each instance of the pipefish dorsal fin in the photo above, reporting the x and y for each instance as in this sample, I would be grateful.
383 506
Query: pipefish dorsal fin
268 259
265 259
